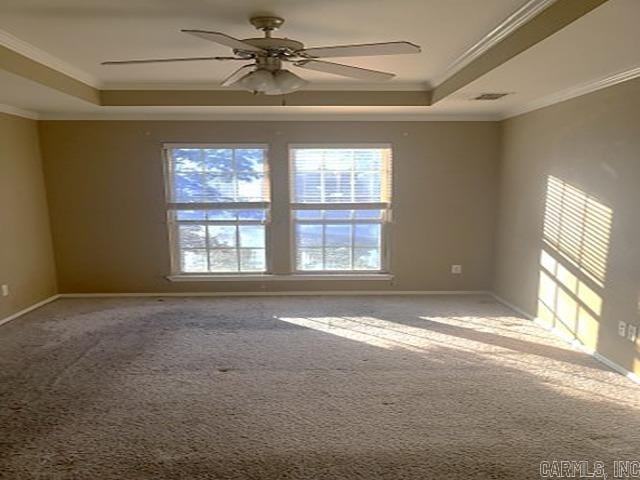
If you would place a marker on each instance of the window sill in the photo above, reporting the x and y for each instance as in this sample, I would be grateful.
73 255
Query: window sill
296 277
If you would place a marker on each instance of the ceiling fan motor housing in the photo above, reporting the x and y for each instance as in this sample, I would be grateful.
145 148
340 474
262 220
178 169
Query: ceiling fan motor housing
272 46
272 64
266 23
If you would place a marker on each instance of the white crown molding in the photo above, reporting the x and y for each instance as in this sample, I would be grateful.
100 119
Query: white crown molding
492 38
324 87
19 112
271 117
38 55
573 92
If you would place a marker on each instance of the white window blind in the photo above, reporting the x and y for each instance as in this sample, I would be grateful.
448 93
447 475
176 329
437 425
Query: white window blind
218 208
341 175
340 201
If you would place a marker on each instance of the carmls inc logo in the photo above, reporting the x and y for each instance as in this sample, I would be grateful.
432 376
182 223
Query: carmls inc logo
622 469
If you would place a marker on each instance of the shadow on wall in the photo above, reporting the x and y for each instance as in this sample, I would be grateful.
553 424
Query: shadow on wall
573 264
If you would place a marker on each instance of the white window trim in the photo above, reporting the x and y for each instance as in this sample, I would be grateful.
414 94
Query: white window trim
247 277
171 207
268 276
385 250
168 146
327 146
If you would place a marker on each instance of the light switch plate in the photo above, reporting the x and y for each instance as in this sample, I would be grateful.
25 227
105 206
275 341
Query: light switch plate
5 290
456 269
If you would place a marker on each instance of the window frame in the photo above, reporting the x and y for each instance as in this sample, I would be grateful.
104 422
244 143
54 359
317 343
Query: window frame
386 207
172 207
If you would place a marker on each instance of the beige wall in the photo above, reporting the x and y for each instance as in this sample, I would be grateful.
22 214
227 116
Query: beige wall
105 187
26 256
593 144
106 199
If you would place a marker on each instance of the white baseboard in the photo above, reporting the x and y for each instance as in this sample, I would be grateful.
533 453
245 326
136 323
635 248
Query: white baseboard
501 300
29 309
575 343
571 341
276 294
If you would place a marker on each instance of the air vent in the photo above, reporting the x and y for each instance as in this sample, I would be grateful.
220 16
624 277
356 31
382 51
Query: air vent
491 96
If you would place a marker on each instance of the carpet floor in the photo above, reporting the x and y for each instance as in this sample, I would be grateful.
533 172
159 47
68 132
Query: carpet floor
391 387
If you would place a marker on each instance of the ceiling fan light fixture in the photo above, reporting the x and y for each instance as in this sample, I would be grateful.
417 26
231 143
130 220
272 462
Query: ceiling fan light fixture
267 82
288 82
258 81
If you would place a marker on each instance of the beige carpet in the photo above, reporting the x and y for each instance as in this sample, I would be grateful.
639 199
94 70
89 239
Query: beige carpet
439 387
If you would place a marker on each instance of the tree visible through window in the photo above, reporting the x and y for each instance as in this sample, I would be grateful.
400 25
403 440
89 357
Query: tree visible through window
340 204
218 208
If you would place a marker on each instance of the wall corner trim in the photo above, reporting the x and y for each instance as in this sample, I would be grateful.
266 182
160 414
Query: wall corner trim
30 308
570 341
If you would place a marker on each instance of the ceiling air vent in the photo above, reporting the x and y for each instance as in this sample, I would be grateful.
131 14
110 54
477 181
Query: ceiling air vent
490 96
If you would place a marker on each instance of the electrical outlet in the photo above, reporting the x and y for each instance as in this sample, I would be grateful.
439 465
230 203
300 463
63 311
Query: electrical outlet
456 269
622 328
632 333
5 290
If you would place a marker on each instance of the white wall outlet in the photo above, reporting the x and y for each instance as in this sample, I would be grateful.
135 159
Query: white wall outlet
632 333
456 269
5 290
622 328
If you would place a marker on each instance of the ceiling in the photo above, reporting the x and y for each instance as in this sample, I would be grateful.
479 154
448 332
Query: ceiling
74 36
599 46
86 32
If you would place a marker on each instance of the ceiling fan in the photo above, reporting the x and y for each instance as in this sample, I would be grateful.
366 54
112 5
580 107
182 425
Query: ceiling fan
266 74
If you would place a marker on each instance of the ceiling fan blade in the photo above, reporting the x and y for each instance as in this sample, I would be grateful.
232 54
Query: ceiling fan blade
344 70
166 60
224 39
365 49
236 75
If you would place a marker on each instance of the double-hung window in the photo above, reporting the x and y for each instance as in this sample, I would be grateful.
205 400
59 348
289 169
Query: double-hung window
340 205
218 208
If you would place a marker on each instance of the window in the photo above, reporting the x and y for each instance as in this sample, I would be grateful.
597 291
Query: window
340 200
218 208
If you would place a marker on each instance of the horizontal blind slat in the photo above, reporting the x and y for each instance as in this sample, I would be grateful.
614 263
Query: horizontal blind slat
340 175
